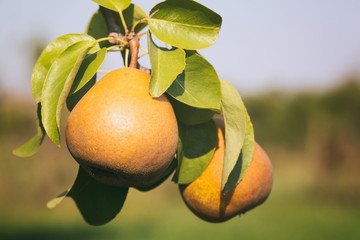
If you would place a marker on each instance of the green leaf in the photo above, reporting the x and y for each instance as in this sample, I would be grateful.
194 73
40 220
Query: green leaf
57 86
166 64
248 148
88 69
47 58
57 200
98 29
32 146
188 115
245 157
198 85
185 24
115 5
233 110
98 203
85 78
197 147
74 98
133 14
161 179
179 157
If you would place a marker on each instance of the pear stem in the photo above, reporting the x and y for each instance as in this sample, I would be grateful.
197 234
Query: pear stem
134 49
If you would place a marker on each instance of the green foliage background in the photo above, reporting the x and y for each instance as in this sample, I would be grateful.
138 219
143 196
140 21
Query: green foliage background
312 138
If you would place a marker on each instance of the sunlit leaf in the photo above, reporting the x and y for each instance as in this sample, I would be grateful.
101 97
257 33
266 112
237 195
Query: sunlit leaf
233 111
188 115
85 78
247 150
115 5
32 146
161 179
244 159
57 200
88 69
198 144
98 203
185 24
57 86
166 64
198 85
47 58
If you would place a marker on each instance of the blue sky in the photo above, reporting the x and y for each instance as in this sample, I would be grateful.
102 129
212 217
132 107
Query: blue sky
290 45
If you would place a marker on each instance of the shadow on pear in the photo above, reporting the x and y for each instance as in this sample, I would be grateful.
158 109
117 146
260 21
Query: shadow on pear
203 196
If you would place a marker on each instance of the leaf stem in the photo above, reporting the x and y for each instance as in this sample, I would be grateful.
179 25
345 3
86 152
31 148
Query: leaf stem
138 22
146 51
112 38
120 48
142 55
116 50
123 22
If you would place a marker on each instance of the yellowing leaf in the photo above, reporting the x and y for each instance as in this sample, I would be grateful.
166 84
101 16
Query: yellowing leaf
115 5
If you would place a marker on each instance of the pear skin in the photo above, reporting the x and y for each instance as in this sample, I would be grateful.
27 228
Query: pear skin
119 133
204 198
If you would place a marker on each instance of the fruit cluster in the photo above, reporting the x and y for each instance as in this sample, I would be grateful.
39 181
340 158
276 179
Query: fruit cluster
124 137
132 129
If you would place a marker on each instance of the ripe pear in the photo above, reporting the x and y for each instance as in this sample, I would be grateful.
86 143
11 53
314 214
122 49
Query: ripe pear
204 198
119 133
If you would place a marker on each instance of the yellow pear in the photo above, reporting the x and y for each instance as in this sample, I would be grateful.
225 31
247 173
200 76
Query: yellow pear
204 198
120 134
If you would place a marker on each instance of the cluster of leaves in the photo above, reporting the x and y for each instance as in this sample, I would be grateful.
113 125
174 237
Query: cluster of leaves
67 68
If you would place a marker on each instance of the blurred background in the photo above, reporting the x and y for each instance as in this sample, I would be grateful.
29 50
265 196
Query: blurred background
296 65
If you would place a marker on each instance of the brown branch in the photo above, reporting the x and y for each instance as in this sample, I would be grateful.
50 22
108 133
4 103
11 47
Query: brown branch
115 31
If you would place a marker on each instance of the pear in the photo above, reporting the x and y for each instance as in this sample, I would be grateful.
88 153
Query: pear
119 133
204 198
